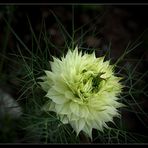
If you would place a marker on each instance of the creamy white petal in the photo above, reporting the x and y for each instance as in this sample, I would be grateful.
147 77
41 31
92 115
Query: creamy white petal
62 108
88 130
80 125
64 119
56 97
74 108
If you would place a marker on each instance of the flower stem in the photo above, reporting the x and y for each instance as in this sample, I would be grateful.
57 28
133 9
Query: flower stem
84 138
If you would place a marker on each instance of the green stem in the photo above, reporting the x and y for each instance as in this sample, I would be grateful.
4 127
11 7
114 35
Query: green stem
84 138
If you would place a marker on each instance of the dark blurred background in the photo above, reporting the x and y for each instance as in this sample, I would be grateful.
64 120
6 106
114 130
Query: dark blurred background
113 24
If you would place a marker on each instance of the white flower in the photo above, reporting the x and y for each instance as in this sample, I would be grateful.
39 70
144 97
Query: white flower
83 91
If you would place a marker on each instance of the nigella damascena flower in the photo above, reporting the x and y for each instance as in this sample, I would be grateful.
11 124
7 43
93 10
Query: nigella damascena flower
83 91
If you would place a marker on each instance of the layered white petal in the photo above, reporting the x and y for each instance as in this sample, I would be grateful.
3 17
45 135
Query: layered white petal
83 91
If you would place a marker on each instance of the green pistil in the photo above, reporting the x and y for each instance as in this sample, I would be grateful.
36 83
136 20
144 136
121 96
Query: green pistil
96 82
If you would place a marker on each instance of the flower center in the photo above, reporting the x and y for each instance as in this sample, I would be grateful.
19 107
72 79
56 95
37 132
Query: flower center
96 82
88 85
